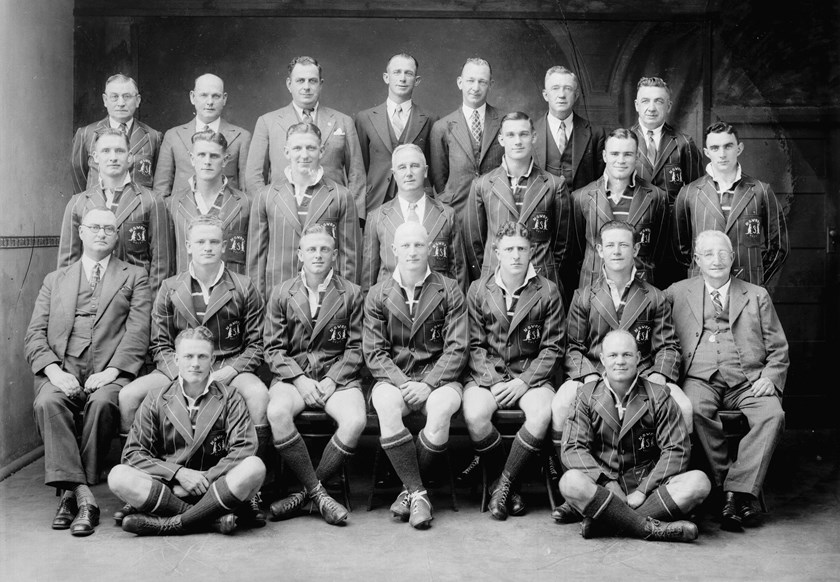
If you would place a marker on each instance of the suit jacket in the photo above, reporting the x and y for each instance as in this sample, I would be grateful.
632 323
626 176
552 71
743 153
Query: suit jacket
234 315
329 347
432 348
235 214
453 165
678 161
641 452
162 440
587 147
144 145
528 346
649 215
274 231
446 254
342 157
758 334
545 211
646 314
375 140
120 332
174 168
145 236
756 226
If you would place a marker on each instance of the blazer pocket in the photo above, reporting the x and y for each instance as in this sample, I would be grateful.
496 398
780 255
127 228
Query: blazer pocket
335 334
439 255
750 233
230 334
433 333
540 226
235 246
216 444
642 330
136 239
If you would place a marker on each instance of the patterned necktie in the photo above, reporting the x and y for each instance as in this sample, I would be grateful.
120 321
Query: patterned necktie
475 127
399 124
561 138
651 147
718 303
412 213
307 115
95 276
124 128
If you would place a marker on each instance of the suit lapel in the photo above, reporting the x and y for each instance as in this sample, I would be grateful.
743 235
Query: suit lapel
540 143
602 303
115 276
604 406
300 305
185 133
211 408
638 204
460 131
68 294
491 130
379 120
187 208
737 299
497 301
129 200
501 190
230 132
329 307
318 205
533 195
182 299
284 199
667 144
219 296
711 200
231 209
742 196
530 296
430 297
581 135
396 305
326 123
637 302
602 203
636 408
643 151
433 220
176 411
139 137
695 294
416 121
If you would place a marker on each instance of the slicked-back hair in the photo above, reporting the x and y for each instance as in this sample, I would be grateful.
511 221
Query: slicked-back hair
303 127
623 133
404 56
477 61
720 127
653 82
561 70
304 60
318 229
408 146
212 137
617 225
197 333
512 228
110 131
517 116
205 220
711 234
120 78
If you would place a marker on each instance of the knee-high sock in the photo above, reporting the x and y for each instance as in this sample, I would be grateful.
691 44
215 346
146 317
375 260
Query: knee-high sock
162 501
616 515
294 453
492 453
523 447
218 501
336 453
557 441
428 453
403 456
660 505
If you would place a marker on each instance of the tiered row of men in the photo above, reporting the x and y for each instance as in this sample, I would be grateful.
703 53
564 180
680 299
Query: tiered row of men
478 262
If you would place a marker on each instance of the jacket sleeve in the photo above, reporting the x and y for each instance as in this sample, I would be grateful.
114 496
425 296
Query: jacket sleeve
682 240
550 356
258 235
439 161
776 247
475 229
145 446
164 330
376 342
353 161
777 360
370 257
70 245
692 160
36 346
241 436
350 240
162 237
346 368
250 358
277 339
242 159
673 442
450 364
578 436
257 158
134 344
562 210
577 362
165 170
485 367
79 161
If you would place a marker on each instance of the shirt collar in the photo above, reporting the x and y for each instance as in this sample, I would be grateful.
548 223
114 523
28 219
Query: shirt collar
398 277
612 284
299 110
530 274
723 289
116 124
203 392
607 181
620 408
321 287
467 110
214 125
657 132
392 106
126 182
711 172
554 123
88 263
421 206
525 175
216 279
192 182
317 178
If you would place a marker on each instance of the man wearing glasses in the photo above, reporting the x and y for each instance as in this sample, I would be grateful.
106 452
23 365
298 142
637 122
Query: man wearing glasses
121 99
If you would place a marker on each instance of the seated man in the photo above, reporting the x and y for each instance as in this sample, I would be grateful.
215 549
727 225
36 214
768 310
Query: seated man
734 357
626 451
189 461
211 295
415 346
313 345
516 346
88 336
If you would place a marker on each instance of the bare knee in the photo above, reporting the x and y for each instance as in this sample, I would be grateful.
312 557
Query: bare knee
127 483
279 413
575 486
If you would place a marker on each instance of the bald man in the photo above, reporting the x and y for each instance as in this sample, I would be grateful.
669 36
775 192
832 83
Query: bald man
174 169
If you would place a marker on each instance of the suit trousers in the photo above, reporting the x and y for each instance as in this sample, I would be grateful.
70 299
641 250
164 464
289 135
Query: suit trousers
766 420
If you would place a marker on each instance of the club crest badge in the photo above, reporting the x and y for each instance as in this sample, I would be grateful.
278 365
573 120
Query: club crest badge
331 228
144 167
236 244
532 333
675 175
337 333
540 222
436 333
232 330
137 234
438 250
218 445
647 439
642 334
644 236
753 227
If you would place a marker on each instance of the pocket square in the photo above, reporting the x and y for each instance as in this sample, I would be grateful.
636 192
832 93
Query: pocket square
339 131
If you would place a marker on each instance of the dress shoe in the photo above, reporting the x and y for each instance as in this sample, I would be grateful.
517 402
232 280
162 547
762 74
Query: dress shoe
144 524
288 506
499 497
730 519
86 520
120 514
587 528
471 473
401 507
516 505
66 511
250 514
749 509
224 524
421 510
565 513
674 531
331 510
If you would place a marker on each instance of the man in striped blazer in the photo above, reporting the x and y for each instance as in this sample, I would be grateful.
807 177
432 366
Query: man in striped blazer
303 196
175 165
228 304
189 462
313 346
145 235
415 346
516 347
446 253
518 191
742 207
209 192
620 194
121 99
626 453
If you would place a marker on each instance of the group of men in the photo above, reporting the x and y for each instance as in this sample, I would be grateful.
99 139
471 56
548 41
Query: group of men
442 257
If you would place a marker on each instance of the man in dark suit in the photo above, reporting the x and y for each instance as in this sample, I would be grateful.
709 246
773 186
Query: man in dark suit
464 144
313 345
304 196
626 451
121 99
567 144
87 338
341 157
446 254
383 128
415 346
516 347
209 192
734 357
189 462
144 236
518 191
742 207
174 165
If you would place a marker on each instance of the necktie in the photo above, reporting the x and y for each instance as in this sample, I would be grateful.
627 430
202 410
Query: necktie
95 276
412 213
718 303
475 127
651 147
397 119
561 137
307 115
124 127
206 128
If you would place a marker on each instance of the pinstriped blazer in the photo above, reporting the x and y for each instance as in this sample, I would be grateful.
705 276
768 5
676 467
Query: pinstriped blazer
145 236
143 143
446 254
678 161
545 211
234 315
528 346
235 213
432 348
161 439
756 226
649 215
647 315
274 231
641 452
331 347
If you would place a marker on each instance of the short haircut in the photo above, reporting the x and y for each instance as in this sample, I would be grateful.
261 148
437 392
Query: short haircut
653 82
408 146
98 208
197 333
720 127
711 234
512 228
120 78
517 116
212 137
561 70
405 56
622 133
617 225
303 127
100 133
317 229
205 220
623 332
477 61
303 60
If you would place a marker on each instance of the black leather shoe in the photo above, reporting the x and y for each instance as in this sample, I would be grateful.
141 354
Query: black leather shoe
565 513
331 510
250 514
730 519
471 473
674 531
749 509
144 524
499 497
288 506
120 514
516 505
86 520
66 511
